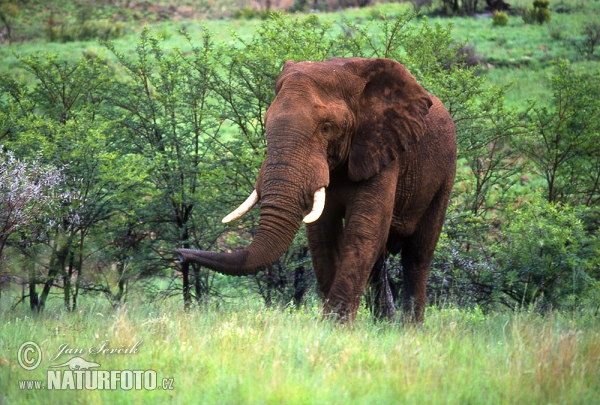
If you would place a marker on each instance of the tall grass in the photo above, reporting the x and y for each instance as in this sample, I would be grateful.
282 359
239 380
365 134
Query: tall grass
244 353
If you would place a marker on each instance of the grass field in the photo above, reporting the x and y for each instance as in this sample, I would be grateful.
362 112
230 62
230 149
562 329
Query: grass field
247 354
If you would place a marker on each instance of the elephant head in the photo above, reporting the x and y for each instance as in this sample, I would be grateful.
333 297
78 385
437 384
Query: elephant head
356 115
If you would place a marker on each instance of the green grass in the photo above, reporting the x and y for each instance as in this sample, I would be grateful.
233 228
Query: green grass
244 353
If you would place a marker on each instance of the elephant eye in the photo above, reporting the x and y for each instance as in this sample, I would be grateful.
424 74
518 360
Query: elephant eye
327 129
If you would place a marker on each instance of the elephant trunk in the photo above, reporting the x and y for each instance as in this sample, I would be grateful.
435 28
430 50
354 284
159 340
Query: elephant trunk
291 185
279 223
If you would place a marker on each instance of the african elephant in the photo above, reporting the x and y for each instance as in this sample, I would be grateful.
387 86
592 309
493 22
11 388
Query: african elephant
366 157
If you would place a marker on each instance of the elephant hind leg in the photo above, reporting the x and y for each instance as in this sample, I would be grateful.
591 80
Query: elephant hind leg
379 296
417 255
324 238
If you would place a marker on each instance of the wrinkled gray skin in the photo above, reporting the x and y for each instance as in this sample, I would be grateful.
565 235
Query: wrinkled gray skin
385 150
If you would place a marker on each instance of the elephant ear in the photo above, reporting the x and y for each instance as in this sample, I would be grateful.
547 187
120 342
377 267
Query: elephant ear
284 71
391 116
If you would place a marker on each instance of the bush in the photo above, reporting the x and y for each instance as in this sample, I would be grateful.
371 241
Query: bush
538 13
500 18
85 31
562 142
299 5
541 254
556 31
591 32
466 56
249 13
420 4
546 257
28 191
8 14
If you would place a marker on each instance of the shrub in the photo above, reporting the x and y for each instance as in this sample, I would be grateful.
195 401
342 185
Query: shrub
541 254
420 4
591 31
556 31
543 15
500 18
466 56
85 31
299 5
562 144
541 3
28 190
8 14
249 13
546 256
538 13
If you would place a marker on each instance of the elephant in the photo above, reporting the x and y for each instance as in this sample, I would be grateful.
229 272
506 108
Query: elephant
366 157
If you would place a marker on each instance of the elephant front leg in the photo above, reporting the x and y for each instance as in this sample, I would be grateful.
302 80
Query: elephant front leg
368 216
357 259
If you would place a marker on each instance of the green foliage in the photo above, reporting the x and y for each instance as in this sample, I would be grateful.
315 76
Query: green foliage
84 31
249 13
490 259
539 254
9 11
458 7
61 116
546 256
299 5
166 114
500 18
591 39
88 25
538 13
556 31
563 143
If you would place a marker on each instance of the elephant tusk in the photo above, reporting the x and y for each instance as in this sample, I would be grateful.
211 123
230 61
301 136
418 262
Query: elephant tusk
242 209
318 205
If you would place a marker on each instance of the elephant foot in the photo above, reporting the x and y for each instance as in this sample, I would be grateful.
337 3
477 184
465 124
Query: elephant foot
339 311
412 311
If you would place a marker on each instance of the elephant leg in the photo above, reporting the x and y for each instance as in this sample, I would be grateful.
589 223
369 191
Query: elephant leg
417 255
324 238
380 298
369 208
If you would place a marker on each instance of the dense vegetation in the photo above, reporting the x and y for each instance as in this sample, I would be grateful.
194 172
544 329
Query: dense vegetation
113 159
